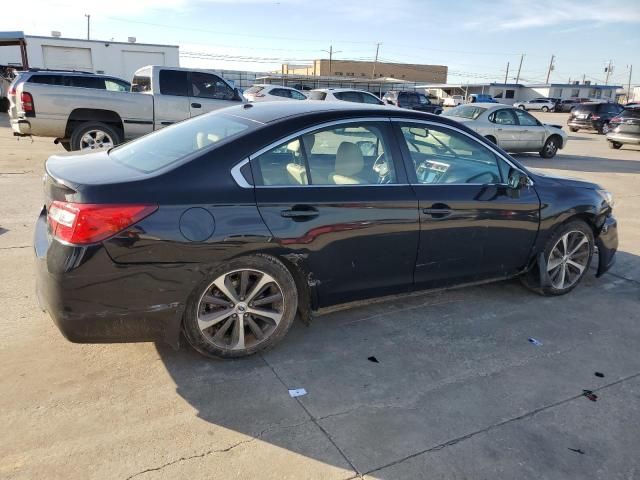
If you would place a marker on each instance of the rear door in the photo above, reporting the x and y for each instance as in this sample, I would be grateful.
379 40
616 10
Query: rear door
472 226
209 92
532 133
337 196
172 104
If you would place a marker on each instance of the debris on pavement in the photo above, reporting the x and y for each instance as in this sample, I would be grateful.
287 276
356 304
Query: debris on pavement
535 342
297 392
373 359
599 374
590 395
577 450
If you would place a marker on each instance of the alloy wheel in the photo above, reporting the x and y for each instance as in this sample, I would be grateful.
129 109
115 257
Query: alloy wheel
551 148
605 128
568 259
240 309
96 140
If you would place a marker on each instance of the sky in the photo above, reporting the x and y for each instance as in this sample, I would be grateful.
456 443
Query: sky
474 38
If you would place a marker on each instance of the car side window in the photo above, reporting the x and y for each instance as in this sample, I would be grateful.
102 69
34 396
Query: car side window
440 155
368 98
525 119
206 85
349 96
348 154
174 82
115 85
88 82
504 117
297 95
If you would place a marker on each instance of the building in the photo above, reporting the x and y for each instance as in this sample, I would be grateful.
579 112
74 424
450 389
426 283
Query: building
356 69
119 59
510 93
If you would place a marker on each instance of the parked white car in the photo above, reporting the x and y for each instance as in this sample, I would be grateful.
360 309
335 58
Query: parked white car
453 101
536 104
270 93
510 128
344 95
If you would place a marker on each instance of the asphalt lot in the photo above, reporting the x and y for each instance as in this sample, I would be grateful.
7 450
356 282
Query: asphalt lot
458 393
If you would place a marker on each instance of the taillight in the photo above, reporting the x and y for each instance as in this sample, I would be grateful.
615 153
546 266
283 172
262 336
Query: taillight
85 223
616 119
27 104
595 117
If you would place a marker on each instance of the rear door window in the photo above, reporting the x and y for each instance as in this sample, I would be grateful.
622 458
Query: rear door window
281 92
349 96
297 95
174 82
47 79
368 98
88 82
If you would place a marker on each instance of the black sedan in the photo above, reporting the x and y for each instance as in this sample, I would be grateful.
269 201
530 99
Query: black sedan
227 225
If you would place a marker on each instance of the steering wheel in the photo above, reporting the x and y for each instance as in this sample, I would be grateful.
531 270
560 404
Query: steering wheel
494 177
381 167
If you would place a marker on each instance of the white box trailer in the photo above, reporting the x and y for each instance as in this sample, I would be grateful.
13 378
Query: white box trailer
120 59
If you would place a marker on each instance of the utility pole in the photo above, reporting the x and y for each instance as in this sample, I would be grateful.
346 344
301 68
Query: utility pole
608 71
629 84
551 67
88 25
584 78
373 73
506 75
519 68
331 52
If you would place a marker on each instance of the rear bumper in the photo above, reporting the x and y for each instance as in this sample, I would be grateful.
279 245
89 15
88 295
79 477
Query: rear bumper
624 138
607 243
93 300
584 124
20 126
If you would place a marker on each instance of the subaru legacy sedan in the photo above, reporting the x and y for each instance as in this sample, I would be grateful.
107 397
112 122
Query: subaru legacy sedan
228 225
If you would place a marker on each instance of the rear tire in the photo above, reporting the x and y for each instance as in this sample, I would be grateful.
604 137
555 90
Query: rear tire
545 109
522 107
615 145
604 128
230 315
95 136
573 129
581 242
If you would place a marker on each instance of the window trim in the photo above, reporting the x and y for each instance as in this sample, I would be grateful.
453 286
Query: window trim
450 127
300 133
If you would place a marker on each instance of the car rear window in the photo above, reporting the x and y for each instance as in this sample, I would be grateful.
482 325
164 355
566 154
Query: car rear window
165 147
631 113
465 111
317 95
585 108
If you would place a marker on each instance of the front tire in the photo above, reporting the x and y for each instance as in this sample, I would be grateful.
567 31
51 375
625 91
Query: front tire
573 129
245 306
615 145
568 254
95 136
550 148
545 109
522 107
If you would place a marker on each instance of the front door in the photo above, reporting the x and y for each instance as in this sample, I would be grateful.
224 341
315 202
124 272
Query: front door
532 131
473 226
507 130
209 92
337 198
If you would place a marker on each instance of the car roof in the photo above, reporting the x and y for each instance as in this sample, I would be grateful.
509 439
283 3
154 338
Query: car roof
269 112
487 105
272 85
334 90
70 73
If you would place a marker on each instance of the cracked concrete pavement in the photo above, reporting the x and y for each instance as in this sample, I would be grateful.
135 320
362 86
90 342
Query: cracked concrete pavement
458 393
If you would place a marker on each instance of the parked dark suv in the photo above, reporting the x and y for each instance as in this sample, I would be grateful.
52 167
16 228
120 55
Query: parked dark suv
625 128
593 116
412 101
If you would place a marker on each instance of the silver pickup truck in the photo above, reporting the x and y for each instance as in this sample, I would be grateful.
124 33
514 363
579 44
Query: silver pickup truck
87 117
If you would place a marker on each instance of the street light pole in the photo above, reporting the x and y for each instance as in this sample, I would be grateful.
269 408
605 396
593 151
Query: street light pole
88 25
373 73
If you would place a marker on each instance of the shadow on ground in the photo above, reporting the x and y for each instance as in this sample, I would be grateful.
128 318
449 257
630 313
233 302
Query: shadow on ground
451 366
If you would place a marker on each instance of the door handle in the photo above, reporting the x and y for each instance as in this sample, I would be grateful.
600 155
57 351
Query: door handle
196 105
300 213
438 210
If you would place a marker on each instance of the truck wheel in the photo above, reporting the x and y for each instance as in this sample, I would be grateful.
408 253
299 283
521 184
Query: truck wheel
92 136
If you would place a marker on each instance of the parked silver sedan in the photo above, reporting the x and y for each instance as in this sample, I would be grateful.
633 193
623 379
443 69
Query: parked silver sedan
542 104
513 129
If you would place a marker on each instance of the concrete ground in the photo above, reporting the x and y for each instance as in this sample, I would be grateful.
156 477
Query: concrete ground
458 393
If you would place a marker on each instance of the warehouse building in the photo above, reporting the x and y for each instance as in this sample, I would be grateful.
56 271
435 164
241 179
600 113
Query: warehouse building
119 59
356 69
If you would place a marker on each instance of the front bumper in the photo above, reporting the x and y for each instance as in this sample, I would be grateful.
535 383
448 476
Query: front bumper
91 299
607 243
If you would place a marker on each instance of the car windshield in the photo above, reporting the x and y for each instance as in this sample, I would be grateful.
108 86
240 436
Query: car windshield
465 111
167 146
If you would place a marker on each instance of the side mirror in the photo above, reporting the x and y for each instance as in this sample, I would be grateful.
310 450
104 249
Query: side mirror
517 180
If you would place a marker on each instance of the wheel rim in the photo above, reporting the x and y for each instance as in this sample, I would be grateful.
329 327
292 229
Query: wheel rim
568 259
551 148
96 140
605 128
240 309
